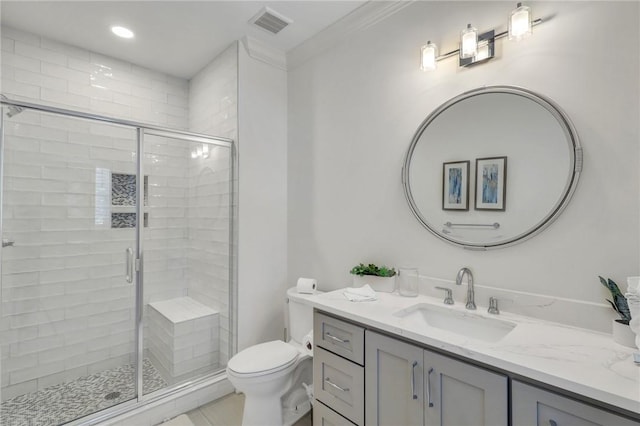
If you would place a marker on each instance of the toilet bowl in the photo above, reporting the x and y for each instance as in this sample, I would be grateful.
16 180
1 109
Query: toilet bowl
273 375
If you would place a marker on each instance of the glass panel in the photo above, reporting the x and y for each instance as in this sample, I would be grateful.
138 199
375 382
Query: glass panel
186 259
67 325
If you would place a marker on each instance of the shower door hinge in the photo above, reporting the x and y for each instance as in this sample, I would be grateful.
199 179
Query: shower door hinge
137 265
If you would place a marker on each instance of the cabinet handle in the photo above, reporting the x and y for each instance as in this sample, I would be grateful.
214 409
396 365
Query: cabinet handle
429 387
336 339
129 265
553 422
329 382
413 379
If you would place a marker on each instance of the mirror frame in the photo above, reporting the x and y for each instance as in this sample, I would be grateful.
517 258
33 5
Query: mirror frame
571 138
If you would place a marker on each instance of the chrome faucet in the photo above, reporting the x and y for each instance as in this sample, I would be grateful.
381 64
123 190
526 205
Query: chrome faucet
471 304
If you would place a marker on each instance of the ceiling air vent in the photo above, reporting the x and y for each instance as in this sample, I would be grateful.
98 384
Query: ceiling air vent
271 21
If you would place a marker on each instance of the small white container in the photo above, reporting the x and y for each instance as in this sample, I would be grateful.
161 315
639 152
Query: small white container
623 335
382 284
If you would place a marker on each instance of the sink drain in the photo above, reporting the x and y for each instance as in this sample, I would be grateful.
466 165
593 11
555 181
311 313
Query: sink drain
112 395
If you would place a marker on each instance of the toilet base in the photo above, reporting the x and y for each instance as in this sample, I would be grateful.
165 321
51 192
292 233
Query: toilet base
291 416
261 412
295 405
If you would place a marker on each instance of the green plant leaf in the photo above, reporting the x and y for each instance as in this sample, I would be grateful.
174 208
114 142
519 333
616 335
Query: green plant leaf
619 303
372 269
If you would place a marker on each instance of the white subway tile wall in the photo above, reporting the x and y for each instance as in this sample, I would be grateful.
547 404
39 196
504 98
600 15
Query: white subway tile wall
213 109
183 338
67 310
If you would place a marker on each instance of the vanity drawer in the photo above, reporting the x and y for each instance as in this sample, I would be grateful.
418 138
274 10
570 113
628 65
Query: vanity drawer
339 337
323 416
339 384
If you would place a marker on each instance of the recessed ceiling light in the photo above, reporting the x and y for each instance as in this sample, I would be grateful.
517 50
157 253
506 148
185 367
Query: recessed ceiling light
122 32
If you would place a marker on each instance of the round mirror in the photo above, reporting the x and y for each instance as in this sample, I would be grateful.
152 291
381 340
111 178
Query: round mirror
492 167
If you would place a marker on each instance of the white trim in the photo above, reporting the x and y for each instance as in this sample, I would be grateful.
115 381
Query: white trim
365 16
263 52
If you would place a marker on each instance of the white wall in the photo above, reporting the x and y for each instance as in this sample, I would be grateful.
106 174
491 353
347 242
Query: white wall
262 246
354 108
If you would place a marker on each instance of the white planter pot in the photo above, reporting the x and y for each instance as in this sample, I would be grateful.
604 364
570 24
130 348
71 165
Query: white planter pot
623 335
383 284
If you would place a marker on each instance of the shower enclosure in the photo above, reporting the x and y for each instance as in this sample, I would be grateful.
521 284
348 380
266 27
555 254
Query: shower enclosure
116 272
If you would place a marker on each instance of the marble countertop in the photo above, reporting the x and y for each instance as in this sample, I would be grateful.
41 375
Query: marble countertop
578 360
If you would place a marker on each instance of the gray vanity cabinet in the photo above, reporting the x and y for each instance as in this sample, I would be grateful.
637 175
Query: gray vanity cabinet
393 374
362 377
532 406
338 373
461 394
407 385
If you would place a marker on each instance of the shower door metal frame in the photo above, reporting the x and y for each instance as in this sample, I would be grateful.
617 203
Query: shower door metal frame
142 129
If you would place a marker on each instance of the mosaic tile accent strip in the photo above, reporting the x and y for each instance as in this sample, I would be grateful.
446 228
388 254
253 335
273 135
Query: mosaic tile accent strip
127 220
123 189
123 220
65 402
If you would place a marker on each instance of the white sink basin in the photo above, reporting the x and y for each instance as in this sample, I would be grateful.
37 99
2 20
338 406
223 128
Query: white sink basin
464 323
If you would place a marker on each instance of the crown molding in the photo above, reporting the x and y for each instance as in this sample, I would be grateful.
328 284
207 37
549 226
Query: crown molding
263 52
361 18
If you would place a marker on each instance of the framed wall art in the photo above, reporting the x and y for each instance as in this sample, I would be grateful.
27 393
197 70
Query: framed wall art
455 185
491 183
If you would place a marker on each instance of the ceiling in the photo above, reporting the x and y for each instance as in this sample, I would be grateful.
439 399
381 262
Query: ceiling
175 37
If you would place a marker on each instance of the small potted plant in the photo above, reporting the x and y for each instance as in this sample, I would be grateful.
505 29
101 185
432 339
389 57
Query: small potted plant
622 333
379 278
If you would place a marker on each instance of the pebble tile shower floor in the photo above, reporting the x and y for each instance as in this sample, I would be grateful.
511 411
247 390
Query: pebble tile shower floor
64 402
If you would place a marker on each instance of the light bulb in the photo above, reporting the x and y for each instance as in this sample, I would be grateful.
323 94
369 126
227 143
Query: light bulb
428 56
520 22
468 42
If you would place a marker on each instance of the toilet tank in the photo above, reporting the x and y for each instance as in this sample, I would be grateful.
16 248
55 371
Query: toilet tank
300 314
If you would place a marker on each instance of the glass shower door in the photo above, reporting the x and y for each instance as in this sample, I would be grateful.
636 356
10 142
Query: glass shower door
187 255
67 325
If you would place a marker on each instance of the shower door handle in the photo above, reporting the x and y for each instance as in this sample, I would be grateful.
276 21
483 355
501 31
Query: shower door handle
129 265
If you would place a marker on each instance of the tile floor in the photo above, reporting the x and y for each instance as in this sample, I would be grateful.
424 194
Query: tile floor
226 411
64 402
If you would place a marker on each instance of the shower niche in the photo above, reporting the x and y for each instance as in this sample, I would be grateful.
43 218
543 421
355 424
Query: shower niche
123 200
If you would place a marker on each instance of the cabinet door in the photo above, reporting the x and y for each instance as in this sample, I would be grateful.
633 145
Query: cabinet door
532 406
393 375
460 394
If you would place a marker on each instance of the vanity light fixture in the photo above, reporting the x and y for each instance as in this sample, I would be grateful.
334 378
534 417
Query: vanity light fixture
468 42
476 48
428 55
520 22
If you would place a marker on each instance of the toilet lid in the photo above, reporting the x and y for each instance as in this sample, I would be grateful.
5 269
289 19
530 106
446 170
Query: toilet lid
263 358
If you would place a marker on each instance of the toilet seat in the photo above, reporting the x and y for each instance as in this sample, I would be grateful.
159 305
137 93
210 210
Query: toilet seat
263 359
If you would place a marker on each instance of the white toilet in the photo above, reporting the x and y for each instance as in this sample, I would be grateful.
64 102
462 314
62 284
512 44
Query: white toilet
271 375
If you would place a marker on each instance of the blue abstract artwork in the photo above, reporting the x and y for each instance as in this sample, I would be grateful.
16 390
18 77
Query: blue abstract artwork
455 185
455 180
490 179
491 183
